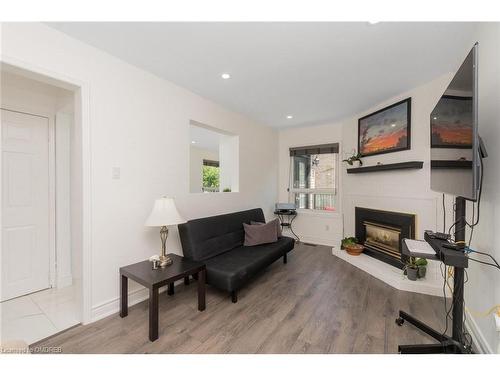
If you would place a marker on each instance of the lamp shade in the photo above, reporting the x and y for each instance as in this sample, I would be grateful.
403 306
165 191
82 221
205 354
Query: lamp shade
164 213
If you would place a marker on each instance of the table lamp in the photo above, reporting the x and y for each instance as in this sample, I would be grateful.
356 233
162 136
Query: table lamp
164 213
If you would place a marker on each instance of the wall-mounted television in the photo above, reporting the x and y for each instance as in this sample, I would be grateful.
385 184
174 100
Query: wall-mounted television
455 143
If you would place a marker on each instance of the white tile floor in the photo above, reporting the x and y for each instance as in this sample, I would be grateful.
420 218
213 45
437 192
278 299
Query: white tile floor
38 315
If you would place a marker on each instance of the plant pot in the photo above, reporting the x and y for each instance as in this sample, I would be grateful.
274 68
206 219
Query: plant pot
422 271
412 273
354 249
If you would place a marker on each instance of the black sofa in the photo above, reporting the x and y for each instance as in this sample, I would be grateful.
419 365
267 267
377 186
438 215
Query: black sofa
218 242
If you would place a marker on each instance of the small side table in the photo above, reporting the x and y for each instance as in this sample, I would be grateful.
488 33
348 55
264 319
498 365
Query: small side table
286 218
144 274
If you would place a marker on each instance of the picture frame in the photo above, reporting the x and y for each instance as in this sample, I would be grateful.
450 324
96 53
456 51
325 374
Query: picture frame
386 130
452 110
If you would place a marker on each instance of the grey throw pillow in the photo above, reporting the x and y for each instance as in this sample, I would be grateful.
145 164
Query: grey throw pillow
276 221
259 234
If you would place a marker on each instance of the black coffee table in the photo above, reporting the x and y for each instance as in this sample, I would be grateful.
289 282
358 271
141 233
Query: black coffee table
143 273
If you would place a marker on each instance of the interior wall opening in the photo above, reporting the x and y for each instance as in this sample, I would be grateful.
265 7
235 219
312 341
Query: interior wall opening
41 268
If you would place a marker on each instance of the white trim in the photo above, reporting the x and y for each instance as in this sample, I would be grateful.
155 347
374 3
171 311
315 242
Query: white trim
84 122
318 240
112 306
478 339
319 213
52 203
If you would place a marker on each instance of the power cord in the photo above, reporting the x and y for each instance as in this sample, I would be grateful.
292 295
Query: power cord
444 215
496 265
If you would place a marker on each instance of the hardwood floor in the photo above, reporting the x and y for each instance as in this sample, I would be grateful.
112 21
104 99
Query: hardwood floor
317 303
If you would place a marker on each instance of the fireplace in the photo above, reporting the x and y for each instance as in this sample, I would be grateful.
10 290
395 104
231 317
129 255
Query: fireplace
381 232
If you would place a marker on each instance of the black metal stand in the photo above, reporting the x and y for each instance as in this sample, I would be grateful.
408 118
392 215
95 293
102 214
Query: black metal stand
446 344
286 218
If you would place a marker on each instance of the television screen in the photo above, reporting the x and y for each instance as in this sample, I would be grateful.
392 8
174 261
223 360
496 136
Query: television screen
454 134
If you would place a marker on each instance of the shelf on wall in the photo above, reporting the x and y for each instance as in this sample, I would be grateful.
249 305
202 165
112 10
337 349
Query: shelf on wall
387 167
451 164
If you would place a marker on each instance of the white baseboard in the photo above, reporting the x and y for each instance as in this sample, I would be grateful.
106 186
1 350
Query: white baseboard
478 339
112 306
319 241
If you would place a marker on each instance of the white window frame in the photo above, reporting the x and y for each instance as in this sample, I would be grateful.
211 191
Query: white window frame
292 191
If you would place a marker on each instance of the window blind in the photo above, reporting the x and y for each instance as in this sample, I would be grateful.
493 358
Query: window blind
210 163
329 148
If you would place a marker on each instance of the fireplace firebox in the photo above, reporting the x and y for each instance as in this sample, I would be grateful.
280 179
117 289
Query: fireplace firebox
382 232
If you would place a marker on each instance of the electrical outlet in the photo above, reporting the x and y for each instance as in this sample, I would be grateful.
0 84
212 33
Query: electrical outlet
327 227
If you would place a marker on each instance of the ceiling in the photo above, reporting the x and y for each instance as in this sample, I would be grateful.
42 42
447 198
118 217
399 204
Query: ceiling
316 72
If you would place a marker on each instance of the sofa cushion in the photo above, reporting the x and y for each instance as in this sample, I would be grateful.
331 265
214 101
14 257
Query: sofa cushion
260 234
230 270
210 236
277 223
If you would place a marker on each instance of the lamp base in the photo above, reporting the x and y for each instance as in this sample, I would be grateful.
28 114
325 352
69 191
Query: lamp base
165 261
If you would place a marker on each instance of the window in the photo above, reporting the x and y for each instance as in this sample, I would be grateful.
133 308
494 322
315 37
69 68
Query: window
313 177
210 176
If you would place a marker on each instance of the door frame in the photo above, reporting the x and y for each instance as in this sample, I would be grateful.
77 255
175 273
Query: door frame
26 110
83 125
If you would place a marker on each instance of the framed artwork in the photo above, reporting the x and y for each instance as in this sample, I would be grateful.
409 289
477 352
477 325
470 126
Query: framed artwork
451 122
387 130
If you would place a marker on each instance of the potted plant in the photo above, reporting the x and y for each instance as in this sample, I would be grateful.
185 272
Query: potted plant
226 190
411 269
422 267
356 156
348 241
351 246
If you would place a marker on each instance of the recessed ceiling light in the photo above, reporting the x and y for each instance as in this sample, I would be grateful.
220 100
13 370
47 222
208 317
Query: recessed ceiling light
289 117
193 142
373 22
225 75
393 125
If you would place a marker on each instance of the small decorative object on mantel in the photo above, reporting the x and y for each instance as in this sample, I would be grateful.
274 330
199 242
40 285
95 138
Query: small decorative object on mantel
356 156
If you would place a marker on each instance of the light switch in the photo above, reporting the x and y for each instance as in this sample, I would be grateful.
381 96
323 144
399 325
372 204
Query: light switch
115 173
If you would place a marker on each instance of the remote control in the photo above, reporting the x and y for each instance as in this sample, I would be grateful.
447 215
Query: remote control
439 236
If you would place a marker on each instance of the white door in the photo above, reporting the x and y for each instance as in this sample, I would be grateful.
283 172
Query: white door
25 204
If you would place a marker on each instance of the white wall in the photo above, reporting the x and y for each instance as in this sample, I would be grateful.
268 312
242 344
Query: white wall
140 123
483 289
196 156
66 263
406 190
229 163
